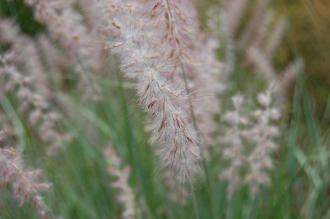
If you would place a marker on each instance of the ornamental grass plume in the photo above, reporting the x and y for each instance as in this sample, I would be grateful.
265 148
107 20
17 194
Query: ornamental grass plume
27 55
139 33
25 184
67 26
126 197
29 68
39 112
262 135
197 65
250 140
38 56
234 153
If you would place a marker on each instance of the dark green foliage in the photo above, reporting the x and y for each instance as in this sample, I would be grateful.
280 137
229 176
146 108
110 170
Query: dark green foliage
22 14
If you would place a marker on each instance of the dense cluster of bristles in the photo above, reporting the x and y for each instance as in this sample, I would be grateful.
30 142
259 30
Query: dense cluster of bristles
250 141
121 176
159 44
25 184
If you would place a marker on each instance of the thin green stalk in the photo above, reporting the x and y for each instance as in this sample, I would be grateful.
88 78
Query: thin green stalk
229 212
194 200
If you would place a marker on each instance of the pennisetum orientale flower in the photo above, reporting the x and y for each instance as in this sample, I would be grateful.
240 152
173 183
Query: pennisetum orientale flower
139 36
25 184
39 57
126 197
40 114
262 135
234 152
196 64
250 141
67 26
27 55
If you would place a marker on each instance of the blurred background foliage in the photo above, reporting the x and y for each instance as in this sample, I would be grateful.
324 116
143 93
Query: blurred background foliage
307 37
22 14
